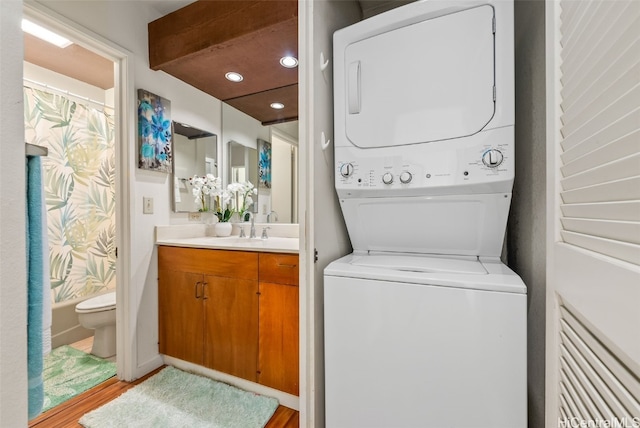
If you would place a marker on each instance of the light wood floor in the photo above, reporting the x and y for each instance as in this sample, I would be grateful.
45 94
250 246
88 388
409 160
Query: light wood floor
67 414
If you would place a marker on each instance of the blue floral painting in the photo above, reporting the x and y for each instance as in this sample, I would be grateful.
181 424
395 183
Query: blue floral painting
154 132
264 164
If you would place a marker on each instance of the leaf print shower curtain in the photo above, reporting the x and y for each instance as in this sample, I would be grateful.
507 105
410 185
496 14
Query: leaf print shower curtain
79 180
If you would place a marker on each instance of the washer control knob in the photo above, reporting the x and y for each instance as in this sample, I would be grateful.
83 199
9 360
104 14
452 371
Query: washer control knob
346 169
492 158
406 177
387 178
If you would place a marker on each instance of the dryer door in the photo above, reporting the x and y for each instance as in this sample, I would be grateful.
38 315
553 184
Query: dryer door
430 81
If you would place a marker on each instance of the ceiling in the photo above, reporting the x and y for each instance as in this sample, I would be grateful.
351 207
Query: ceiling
73 61
203 41
79 63
165 7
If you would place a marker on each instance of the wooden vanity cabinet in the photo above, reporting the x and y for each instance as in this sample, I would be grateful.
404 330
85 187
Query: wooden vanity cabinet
208 308
231 311
278 349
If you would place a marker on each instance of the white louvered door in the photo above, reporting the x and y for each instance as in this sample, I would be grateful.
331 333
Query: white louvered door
593 263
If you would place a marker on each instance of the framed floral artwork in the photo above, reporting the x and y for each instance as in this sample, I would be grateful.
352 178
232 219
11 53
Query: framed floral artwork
264 164
155 136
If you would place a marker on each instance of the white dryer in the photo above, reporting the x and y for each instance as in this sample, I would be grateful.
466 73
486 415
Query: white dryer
424 326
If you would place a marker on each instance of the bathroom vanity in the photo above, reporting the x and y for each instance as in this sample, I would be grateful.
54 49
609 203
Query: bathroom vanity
231 305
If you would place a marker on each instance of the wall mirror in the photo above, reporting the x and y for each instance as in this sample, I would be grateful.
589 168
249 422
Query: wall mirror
268 157
195 153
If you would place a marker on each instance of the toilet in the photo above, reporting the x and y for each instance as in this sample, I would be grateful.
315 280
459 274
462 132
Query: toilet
99 314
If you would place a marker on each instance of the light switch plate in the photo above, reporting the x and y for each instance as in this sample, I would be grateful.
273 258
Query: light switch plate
194 216
147 205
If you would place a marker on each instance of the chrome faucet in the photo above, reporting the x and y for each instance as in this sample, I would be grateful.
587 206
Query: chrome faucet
252 232
264 232
269 216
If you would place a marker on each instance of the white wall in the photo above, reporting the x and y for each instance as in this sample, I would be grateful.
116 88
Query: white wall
527 225
13 299
124 23
321 223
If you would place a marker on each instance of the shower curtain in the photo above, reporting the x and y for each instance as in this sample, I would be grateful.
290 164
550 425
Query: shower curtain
79 182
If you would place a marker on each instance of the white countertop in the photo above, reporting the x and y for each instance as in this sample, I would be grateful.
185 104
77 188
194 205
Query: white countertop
272 245
193 236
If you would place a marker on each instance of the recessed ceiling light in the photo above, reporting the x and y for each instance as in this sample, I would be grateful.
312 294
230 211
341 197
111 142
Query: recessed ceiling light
234 77
288 62
44 34
277 106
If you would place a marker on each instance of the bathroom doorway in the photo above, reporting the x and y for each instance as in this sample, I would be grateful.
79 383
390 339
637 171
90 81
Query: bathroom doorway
72 108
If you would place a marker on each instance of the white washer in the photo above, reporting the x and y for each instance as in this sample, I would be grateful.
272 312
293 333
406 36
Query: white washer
419 349
424 326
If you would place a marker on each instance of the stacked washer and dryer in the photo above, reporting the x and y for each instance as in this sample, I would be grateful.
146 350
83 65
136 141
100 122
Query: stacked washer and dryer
424 325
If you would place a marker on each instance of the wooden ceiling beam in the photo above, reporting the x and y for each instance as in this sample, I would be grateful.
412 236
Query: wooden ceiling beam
205 24
201 42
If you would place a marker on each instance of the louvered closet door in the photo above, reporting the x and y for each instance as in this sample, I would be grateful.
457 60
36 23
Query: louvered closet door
593 329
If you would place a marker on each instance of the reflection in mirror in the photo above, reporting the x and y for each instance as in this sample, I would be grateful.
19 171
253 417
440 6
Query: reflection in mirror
279 201
195 153
242 167
243 163
245 136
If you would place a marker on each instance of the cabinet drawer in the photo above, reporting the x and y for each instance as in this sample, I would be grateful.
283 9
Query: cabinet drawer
230 264
279 268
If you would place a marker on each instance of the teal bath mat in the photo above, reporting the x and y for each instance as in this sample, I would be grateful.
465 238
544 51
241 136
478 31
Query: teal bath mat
69 372
176 399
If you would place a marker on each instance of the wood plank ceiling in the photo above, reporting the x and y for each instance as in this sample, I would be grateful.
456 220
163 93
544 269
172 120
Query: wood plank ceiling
204 40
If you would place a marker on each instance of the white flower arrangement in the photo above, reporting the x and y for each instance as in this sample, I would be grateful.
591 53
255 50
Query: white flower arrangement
226 200
243 195
203 187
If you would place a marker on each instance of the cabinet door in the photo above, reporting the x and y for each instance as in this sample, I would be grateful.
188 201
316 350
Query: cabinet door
278 362
181 315
279 268
231 326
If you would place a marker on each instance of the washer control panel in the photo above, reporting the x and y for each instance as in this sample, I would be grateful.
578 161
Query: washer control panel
419 168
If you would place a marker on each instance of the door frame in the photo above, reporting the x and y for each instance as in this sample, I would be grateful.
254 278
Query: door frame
600 291
124 132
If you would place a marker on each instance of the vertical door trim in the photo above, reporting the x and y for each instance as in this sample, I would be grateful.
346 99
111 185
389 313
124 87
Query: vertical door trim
553 87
